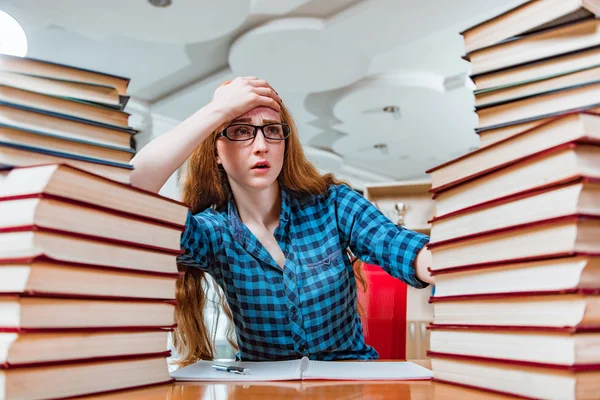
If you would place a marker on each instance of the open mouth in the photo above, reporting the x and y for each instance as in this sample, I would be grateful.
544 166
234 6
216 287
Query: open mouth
261 165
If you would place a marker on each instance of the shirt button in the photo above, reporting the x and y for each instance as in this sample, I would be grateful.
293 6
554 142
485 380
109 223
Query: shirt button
301 349
293 309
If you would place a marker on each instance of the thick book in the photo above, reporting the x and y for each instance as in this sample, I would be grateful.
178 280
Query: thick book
518 378
42 275
47 69
536 46
491 136
581 127
548 68
304 369
65 144
82 378
533 15
554 102
42 348
535 345
18 155
77 249
528 90
558 236
78 109
63 125
558 165
64 312
577 309
543 275
85 93
58 214
578 197
61 180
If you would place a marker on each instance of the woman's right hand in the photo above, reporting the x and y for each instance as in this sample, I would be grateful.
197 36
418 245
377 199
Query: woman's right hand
242 95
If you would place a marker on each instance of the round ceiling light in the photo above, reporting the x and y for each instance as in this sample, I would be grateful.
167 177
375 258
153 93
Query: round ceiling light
160 3
13 40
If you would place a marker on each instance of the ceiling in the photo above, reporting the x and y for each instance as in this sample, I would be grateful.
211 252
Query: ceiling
335 63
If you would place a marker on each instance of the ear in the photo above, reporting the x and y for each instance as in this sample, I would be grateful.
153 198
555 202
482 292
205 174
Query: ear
218 158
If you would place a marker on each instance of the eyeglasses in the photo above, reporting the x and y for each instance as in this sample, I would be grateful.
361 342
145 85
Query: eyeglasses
241 132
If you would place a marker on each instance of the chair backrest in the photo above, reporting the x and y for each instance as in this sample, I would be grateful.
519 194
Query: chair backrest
384 309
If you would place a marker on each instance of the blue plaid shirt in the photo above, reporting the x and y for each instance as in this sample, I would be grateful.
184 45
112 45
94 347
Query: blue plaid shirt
308 308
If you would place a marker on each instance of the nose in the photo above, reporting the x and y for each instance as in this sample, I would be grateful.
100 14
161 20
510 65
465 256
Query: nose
259 144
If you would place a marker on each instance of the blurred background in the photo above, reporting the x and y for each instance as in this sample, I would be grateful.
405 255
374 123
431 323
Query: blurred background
377 87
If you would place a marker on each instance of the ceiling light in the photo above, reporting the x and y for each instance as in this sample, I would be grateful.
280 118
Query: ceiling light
13 40
160 3
394 110
382 147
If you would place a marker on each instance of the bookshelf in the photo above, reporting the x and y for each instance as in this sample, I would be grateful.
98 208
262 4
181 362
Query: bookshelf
409 204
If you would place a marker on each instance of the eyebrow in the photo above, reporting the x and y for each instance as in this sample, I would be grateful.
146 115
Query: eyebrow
265 121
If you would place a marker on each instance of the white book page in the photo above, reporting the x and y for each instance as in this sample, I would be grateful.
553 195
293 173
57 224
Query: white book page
365 370
259 371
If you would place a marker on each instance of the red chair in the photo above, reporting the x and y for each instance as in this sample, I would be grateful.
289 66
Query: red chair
384 313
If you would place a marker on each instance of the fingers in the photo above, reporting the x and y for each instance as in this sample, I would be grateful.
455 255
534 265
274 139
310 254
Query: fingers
260 83
267 92
268 102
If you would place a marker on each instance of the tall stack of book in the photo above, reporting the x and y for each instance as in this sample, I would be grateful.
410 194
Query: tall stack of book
87 262
516 236
56 113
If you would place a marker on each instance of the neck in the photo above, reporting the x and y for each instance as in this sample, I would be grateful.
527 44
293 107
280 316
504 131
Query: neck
258 207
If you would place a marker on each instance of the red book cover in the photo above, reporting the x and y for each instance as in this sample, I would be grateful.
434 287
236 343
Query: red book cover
547 221
129 187
163 354
20 330
47 259
87 297
487 296
584 141
569 368
518 196
491 264
119 213
103 359
570 330
37 228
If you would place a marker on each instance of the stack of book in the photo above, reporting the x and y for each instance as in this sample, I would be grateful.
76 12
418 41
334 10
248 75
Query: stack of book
516 236
56 113
87 263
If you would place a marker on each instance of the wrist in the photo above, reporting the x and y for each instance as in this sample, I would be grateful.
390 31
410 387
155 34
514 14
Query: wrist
422 264
215 113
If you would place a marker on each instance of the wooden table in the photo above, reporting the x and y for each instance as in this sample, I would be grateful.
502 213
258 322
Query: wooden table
292 390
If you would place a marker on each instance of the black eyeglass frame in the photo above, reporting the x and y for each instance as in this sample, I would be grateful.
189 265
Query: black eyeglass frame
223 133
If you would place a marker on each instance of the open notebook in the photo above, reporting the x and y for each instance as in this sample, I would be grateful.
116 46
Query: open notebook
304 369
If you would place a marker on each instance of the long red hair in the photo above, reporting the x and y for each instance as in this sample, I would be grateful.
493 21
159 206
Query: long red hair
205 185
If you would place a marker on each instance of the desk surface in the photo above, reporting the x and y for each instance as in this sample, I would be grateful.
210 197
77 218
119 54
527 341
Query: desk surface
380 390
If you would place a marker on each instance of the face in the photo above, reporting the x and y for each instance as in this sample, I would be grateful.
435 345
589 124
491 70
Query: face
254 163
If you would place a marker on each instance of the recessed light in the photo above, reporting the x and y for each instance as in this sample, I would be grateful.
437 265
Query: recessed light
382 147
160 3
392 109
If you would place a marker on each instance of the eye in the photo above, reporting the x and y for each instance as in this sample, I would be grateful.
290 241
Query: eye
274 131
242 130
239 131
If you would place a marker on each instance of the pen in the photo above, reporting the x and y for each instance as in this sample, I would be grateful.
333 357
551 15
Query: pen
232 369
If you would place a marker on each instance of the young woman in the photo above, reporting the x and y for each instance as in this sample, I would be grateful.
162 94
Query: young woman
272 232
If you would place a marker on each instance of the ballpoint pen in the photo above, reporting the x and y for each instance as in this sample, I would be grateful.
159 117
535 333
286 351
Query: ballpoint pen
232 369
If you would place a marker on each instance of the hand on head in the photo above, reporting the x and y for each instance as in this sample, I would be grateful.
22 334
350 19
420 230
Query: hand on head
243 94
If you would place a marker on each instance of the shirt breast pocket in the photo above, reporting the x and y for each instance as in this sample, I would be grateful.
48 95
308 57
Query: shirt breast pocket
326 273
322 260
